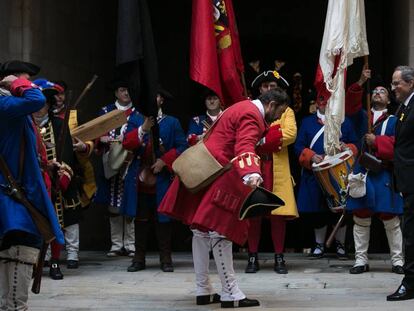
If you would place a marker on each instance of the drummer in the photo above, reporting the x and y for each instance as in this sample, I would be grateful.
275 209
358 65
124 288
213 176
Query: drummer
311 201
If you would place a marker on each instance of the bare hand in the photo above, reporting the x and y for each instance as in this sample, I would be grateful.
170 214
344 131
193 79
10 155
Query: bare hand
254 181
148 124
370 139
78 145
365 75
317 158
158 166
105 139
7 81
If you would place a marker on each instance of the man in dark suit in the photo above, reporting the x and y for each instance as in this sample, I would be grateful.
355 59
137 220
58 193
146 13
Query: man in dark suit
403 86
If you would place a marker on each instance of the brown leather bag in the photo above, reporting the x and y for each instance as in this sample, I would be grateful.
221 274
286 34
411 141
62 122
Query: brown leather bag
197 168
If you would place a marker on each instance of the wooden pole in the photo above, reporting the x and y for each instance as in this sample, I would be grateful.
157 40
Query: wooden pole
369 112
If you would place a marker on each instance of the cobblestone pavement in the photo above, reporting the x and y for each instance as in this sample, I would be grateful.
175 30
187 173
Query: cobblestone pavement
102 283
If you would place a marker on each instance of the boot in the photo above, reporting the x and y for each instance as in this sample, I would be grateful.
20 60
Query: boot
141 234
164 233
280 266
362 228
252 263
394 237
54 272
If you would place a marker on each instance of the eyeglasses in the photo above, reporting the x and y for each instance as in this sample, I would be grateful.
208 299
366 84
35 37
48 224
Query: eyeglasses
394 84
379 91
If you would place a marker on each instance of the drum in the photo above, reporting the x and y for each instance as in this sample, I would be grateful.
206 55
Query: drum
332 175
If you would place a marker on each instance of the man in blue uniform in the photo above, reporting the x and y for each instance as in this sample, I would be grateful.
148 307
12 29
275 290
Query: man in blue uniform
20 239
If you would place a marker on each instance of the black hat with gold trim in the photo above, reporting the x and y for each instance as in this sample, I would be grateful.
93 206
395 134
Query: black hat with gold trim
17 66
270 76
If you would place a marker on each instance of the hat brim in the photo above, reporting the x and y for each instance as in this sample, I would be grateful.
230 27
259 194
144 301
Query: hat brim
15 66
269 77
260 202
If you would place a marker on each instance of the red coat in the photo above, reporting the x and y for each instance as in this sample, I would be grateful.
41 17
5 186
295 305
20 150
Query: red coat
216 208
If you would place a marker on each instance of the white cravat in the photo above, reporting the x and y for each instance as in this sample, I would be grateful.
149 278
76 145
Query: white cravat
123 108
377 114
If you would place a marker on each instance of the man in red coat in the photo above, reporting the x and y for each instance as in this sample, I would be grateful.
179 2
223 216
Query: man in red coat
213 212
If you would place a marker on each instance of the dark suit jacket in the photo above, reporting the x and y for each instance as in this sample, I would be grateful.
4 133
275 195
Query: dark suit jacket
404 149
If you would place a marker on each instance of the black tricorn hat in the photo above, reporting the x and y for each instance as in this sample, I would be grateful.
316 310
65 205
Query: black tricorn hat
164 93
116 83
260 202
17 66
268 76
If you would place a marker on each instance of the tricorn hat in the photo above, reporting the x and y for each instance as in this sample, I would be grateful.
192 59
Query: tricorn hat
260 202
117 83
268 76
164 93
16 66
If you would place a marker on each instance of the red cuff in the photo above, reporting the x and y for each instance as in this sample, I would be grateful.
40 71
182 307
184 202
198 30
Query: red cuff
306 157
247 163
273 141
20 85
64 182
353 148
131 140
192 139
385 147
169 157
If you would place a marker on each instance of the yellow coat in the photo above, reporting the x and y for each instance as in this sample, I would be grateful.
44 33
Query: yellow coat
88 185
283 182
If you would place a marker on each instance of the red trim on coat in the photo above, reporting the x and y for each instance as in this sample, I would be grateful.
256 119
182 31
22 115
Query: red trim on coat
131 140
384 146
306 157
20 85
169 157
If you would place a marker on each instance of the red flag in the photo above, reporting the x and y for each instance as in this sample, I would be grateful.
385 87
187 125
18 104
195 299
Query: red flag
215 57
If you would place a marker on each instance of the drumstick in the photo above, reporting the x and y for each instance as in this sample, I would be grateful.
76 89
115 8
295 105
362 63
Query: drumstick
335 230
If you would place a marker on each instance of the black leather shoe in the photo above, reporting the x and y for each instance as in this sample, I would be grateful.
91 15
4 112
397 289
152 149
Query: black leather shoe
72 264
167 267
244 303
54 272
340 251
318 251
359 269
280 266
401 294
136 266
207 299
397 269
252 263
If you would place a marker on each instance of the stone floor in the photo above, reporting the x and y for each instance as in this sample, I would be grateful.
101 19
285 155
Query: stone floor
102 283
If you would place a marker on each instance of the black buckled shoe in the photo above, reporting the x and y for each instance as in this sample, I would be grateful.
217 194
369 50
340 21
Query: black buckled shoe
244 303
167 267
136 266
397 269
252 263
72 264
318 251
54 272
280 266
207 299
359 269
340 251
402 293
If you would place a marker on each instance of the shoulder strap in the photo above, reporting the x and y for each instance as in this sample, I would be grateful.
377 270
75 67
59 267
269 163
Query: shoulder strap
316 137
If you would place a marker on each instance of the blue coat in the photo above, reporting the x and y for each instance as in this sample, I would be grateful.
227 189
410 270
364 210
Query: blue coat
172 137
379 185
15 121
116 191
310 196
196 125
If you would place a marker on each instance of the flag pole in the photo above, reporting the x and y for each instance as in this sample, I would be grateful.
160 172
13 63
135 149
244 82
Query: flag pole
368 84
243 80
